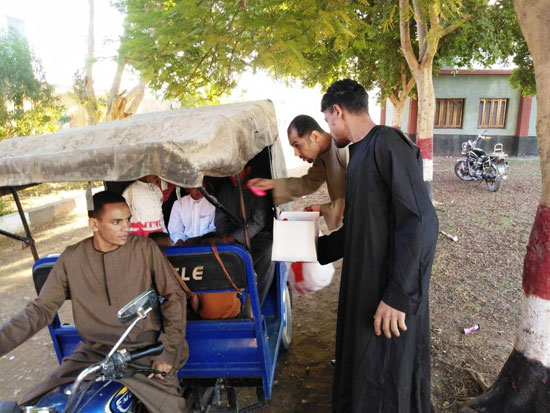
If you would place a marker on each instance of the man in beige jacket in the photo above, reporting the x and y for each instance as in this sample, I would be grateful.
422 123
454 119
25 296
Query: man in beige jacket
312 144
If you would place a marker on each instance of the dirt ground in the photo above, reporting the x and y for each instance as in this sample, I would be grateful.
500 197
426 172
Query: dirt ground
476 280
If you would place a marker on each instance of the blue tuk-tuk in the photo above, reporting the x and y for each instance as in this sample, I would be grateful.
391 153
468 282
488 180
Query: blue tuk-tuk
181 147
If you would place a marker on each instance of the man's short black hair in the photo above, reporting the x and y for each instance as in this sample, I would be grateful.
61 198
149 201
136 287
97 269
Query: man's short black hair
304 125
347 94
103 198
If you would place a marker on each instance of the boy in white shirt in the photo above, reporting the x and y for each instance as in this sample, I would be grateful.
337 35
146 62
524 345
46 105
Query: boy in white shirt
192 216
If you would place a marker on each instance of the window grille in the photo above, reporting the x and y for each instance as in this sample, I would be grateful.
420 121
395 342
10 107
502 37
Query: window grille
449 113
492 113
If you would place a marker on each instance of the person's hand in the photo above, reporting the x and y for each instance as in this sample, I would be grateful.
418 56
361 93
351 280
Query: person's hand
226 239
389 320
179 243
261 183
160 366
314 208
192 241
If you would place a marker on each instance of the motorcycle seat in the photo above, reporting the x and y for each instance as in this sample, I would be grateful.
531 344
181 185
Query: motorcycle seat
479 152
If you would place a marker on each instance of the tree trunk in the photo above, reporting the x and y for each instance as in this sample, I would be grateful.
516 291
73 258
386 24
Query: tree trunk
115 87
425 122
397 105
91 106
524 382
399 97
421 69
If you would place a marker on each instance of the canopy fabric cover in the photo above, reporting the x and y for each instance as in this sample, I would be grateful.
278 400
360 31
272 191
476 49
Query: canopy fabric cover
179 146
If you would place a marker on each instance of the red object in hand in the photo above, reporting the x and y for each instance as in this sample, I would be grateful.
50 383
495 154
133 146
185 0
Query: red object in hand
257 191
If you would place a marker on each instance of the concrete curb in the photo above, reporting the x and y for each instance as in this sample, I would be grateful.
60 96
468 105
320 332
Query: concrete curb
43 215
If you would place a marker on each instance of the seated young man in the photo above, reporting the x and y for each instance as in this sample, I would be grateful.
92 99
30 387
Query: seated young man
258 214
192 216
102 273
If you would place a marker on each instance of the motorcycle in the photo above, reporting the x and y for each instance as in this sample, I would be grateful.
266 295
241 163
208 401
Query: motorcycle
477 165
96 389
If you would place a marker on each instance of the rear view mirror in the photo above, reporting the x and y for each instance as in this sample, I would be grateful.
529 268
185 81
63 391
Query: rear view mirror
139 306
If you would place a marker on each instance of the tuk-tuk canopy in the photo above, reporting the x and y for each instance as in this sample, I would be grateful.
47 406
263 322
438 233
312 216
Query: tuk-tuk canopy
179 146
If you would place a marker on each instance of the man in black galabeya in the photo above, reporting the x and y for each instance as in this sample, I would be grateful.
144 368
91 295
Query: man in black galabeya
388 243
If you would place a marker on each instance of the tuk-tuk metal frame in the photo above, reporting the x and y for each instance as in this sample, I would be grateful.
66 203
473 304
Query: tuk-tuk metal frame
28 240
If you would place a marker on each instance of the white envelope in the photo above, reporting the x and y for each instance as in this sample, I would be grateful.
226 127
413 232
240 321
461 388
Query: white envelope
295 236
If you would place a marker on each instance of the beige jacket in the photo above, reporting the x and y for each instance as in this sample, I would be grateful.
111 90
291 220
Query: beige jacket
329 167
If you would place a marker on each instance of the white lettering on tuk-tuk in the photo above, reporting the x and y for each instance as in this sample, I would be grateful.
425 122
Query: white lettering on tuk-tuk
196 273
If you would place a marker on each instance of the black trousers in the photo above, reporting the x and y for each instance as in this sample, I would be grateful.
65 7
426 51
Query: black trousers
261 246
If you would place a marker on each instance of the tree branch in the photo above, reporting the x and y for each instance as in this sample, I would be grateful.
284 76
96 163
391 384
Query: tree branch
422 28
403 77
115 87
393 99
136 95
192 74
405 36
431 50
410 85
452 27
88 79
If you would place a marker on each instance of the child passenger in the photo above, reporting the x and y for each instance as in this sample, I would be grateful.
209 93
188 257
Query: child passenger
192 216
144 197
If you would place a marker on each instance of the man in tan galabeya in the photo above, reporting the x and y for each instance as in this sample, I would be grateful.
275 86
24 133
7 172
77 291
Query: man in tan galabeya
101 274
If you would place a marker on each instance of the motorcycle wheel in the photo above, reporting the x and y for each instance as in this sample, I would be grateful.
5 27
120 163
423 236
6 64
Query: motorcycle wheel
460 171
493 179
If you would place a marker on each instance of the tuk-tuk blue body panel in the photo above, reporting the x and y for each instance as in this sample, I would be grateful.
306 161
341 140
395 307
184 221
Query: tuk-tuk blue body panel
232 348
102 397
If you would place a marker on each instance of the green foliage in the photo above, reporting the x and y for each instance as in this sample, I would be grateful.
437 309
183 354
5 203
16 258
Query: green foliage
27 103
491 36
368 49
3 207
194 50
514 44
190 50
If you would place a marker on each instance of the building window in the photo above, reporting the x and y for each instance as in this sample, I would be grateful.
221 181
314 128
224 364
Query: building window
492 113
448 113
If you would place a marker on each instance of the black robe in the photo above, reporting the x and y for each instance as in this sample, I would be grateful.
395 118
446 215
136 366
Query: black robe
388 243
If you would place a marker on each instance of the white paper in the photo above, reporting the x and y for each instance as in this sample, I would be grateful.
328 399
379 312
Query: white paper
301 216
295 240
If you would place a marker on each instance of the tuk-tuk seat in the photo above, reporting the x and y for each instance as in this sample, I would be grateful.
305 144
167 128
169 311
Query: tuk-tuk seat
65 338
228 347
201 271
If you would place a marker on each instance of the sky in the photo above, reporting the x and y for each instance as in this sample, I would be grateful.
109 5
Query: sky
57 31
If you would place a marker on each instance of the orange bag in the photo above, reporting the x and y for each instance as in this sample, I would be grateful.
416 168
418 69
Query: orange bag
219 305
215 306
